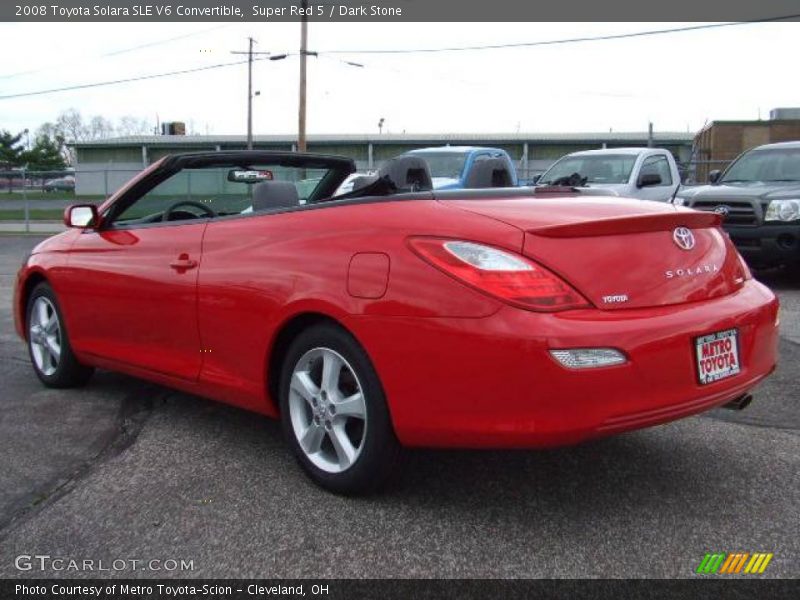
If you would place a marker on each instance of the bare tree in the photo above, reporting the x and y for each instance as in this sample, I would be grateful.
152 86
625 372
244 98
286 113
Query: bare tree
130 125
70 127
70 124
100 128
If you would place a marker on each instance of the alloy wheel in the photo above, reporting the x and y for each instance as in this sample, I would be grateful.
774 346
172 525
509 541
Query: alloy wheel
327 409
45 336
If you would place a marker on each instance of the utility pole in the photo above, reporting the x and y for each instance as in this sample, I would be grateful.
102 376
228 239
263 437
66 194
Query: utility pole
250 54
301 116
250 94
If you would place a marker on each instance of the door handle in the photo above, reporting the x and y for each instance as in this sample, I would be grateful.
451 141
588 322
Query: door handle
183 263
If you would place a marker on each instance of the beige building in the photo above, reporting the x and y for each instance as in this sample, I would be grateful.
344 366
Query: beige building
104 165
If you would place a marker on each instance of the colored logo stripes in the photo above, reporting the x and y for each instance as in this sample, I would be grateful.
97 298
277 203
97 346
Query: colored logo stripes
743 563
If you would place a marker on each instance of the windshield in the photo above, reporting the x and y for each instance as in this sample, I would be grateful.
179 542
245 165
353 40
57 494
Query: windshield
605 168
765 165
213 188
444 164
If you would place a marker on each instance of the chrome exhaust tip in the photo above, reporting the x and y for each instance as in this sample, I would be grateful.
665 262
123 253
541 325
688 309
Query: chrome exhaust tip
739 403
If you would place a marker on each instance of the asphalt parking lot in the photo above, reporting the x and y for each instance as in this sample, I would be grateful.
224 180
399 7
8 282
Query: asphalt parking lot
128 470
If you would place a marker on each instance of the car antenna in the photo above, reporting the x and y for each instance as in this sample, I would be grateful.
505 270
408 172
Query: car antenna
675 193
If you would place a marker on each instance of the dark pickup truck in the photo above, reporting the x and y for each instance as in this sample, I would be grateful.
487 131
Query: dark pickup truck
758 196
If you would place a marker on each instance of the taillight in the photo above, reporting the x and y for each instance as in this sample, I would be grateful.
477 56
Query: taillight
505 275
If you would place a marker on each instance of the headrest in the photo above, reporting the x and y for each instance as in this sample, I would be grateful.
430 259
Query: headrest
407 173
489 173
274 194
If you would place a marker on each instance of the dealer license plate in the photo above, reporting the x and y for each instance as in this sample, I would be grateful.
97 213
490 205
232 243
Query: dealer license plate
717 355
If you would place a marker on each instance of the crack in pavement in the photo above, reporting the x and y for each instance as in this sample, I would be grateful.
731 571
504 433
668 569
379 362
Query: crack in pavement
134 411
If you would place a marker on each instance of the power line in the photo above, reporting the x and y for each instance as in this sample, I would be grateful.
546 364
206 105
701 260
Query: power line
129 79
164 41
440 76
113 52
412 51
617 36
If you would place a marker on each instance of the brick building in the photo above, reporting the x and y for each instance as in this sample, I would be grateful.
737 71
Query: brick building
722 141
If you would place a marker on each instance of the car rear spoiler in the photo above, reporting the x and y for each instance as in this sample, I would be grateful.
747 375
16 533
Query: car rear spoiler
632 224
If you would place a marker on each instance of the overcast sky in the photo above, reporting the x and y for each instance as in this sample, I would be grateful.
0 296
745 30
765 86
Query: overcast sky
677 81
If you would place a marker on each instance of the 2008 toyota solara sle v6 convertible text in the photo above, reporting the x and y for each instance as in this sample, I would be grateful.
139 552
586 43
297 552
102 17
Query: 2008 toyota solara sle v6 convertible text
396 316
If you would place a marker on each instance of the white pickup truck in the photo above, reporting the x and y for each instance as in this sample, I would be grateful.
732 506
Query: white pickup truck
644 173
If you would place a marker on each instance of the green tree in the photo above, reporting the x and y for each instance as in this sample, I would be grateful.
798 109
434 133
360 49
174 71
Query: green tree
11 150
10 154
46 154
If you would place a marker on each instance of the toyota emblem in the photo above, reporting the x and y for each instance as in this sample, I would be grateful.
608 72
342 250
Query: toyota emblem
683 238
723 210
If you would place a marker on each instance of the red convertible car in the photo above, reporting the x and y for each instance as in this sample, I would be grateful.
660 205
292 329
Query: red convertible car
395 316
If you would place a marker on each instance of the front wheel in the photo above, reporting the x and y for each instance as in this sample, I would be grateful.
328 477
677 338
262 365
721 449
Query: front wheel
48 343
334 412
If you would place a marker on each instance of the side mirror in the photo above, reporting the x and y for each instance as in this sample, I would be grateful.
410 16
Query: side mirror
81 216
536 178
714 175
648 179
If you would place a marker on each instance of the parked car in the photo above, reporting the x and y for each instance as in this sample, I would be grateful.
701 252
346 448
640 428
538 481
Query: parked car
758 196
13 179
403 317
465 167
643 173
59 184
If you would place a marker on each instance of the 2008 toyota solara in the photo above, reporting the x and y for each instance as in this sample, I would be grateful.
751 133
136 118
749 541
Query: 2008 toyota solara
394 315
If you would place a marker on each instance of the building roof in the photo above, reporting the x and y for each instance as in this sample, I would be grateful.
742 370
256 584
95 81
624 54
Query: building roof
392 138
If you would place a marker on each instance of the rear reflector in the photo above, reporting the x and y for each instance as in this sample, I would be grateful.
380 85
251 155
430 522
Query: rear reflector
507 276
588 358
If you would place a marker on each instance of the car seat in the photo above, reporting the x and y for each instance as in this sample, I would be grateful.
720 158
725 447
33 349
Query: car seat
489 173
407 174
274 194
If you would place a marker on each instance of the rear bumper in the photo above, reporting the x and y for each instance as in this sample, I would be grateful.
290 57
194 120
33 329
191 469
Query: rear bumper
491 382
767 245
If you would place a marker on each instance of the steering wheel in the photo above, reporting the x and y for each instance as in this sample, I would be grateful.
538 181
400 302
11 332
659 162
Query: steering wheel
207 210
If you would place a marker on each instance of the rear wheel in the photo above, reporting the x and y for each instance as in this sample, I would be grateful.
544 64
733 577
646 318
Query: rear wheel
48 344
334 412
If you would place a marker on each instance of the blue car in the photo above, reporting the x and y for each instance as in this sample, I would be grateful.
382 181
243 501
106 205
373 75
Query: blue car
465 167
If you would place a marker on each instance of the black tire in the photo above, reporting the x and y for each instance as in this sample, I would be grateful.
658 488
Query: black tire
380 453
68 372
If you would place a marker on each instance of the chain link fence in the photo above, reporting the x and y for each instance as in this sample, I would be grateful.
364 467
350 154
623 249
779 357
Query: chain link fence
28 197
